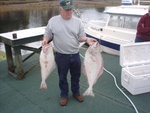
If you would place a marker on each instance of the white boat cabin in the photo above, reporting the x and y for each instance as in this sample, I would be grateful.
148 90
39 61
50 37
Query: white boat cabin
120 27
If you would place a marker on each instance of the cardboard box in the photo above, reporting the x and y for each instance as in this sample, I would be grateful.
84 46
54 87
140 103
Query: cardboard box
135 62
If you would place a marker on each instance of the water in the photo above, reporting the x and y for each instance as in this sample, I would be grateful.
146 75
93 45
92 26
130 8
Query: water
24 19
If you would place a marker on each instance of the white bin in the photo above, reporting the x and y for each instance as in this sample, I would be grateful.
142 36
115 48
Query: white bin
135 62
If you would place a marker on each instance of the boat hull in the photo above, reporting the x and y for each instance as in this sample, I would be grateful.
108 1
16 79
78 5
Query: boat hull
108 47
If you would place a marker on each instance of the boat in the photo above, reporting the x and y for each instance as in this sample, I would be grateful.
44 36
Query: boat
120 27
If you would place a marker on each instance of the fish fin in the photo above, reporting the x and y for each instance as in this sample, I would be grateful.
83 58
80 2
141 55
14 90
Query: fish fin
43 86
101 69
89 92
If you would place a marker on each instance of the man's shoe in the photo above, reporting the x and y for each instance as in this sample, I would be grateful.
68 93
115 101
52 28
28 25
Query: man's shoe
78 97
63 101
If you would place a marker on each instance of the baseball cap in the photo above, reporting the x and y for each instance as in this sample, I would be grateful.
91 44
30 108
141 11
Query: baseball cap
66 4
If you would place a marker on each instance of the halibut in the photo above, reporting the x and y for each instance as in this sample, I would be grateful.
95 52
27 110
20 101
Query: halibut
92 67
47 64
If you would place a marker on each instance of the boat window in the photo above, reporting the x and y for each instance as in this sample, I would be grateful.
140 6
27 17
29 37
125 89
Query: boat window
128 22
131 22
116 21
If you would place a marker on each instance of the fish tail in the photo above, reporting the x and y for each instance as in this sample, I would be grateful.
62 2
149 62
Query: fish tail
89 92
43 85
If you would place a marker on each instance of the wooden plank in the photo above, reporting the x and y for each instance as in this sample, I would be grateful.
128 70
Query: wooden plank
22 34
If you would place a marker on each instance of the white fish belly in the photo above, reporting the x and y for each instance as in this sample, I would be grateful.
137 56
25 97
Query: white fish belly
93 68
47 63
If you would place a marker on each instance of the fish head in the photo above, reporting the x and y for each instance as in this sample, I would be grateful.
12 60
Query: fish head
95 44
94 48
46 48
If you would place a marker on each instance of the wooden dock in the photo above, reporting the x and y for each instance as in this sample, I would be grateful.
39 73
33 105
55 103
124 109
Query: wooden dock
24 96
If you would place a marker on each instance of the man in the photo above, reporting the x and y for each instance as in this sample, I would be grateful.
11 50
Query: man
143 28
67 32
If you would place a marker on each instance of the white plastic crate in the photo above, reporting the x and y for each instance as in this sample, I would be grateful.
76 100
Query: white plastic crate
135 62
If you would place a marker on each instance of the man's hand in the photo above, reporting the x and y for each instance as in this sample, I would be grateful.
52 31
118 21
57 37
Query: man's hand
45 40
90 41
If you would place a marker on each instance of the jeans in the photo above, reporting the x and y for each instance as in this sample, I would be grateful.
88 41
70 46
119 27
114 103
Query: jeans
65 63
137 39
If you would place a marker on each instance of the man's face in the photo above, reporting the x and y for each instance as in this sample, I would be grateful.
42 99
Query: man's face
66 14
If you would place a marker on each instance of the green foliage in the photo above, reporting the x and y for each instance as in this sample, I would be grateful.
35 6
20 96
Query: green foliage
2 55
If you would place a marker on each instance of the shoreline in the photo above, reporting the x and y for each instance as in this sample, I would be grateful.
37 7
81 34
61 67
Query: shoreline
11 6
